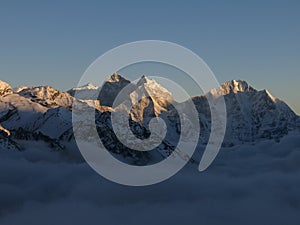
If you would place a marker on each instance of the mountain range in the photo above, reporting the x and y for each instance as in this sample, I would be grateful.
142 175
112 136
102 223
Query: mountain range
45 114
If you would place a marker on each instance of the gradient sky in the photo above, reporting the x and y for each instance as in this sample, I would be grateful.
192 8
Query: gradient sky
53 42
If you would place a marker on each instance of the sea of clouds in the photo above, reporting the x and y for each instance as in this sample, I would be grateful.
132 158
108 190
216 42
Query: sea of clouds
249 184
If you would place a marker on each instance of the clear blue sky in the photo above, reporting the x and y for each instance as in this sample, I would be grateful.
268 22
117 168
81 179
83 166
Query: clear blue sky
53 42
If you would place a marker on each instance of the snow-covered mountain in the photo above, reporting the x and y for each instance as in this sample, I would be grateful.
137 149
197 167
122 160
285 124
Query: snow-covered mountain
253 114
44 113
46 96
19 113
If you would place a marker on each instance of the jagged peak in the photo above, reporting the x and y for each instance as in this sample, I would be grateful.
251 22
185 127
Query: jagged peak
237 86
43 92
233 86
36 89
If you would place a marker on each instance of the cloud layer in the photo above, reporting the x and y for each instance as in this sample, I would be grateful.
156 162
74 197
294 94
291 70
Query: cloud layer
245 185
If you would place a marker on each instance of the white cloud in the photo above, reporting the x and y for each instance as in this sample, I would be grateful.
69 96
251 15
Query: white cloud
245 185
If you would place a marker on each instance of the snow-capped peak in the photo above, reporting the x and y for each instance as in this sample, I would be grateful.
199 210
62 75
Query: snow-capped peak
236 86
88 86
154 88
47 96
5 88
233 86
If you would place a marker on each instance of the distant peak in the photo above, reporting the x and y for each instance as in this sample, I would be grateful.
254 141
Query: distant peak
116 78
91 85
88 86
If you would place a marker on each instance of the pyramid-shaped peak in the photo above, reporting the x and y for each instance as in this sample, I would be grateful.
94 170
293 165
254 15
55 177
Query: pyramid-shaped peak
116 78
153 88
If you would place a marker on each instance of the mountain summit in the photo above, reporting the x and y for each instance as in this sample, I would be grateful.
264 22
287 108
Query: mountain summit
154 89
237 86
116 78
233 86
111 88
